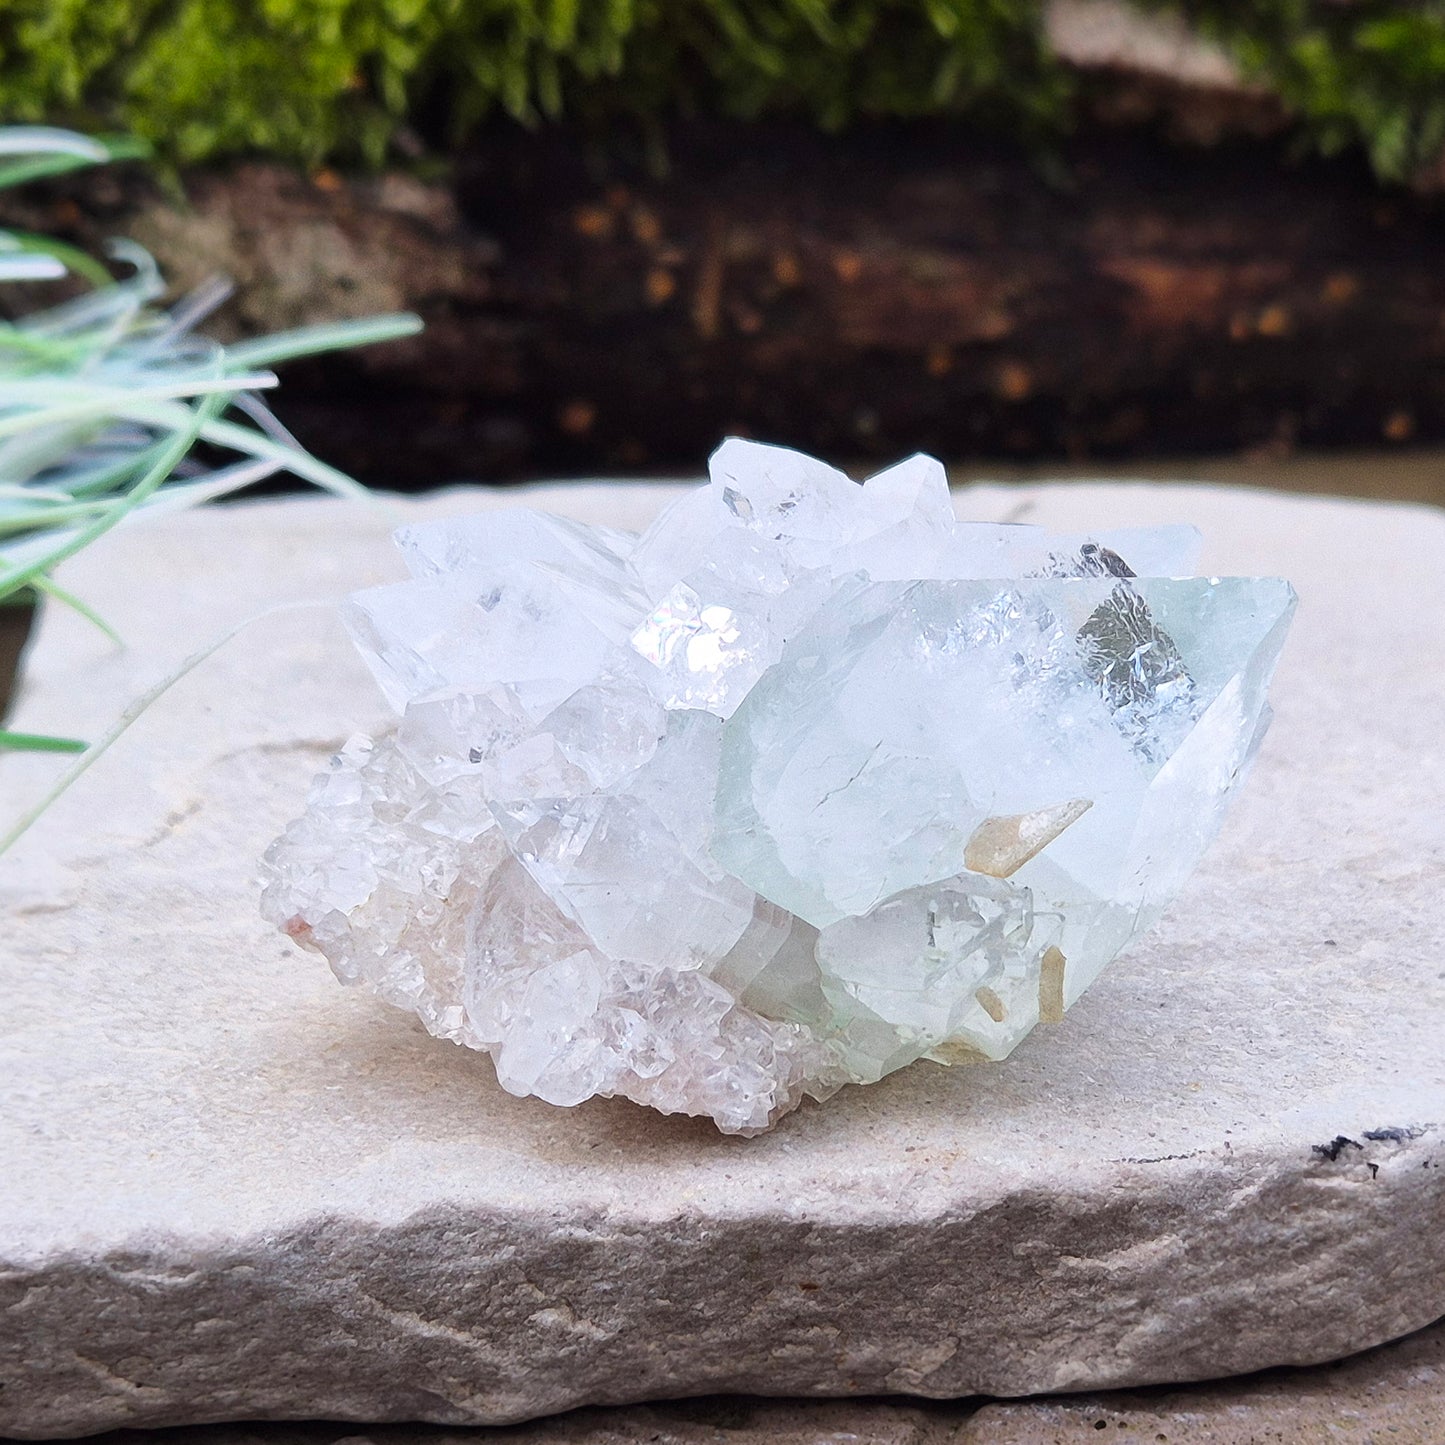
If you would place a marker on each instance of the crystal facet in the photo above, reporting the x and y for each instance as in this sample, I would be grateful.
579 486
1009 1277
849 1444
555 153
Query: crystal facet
808 782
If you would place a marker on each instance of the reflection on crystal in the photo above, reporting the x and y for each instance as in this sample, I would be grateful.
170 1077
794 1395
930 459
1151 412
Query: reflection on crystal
808 782
1140 671
702 650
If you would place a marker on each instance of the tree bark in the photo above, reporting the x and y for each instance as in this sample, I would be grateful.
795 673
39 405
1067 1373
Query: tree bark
864 295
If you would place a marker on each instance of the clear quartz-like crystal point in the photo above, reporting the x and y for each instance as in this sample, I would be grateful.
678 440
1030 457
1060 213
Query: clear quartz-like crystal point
808 782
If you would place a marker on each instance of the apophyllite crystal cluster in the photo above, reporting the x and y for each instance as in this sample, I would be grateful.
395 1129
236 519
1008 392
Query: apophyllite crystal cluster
807 782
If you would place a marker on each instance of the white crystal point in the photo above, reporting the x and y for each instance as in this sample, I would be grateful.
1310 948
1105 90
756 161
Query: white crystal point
955 962
807 783
544 633
906 521
629 864
807 507
499 539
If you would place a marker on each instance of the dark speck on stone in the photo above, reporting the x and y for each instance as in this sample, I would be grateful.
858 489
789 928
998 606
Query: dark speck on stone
1335 1147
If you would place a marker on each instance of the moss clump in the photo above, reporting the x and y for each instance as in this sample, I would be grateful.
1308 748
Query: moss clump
1365 72
318 79
311 79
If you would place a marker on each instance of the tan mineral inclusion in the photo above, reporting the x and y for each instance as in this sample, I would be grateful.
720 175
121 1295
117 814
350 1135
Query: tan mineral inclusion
1001 846
808 782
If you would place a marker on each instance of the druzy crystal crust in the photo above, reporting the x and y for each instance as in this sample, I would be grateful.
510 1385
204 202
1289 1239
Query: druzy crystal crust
807 782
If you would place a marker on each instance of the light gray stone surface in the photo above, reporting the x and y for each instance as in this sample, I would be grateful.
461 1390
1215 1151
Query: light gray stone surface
233 1189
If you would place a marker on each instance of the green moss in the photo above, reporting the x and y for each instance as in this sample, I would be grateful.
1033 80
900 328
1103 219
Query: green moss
334 78
1367 72
319 79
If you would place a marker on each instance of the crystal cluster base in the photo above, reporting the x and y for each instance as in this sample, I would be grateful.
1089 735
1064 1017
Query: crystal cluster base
807 782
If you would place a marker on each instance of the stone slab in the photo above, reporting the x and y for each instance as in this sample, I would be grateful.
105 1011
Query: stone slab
232 1189
1393 1394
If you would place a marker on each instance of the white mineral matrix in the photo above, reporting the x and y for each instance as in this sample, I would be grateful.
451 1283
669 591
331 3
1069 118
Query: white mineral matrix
807 782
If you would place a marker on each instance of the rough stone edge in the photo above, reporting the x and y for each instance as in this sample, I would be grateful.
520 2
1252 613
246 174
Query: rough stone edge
1159 1271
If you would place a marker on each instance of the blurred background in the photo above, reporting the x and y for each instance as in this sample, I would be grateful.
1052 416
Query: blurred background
1034 237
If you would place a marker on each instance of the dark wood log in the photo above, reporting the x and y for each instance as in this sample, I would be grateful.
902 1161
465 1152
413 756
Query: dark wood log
862 295
15 623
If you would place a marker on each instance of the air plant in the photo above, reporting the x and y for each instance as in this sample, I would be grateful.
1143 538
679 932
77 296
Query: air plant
104 397
103 400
